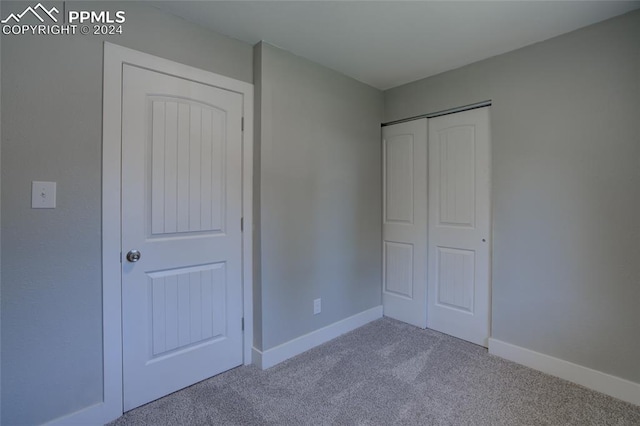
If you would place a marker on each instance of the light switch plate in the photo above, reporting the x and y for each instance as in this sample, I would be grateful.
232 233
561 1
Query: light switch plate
43 195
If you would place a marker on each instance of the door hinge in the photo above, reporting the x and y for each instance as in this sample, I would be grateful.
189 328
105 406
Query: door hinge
242 323
120 257
242 124
242 224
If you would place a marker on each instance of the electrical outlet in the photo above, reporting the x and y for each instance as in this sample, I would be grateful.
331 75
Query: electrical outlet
317 306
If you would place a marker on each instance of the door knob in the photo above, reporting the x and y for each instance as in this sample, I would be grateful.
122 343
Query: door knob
133 255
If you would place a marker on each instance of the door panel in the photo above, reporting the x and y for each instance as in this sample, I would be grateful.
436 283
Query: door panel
456 177
399 269
455 280
399 151
181 208
459 225
405 221
187 306
186 146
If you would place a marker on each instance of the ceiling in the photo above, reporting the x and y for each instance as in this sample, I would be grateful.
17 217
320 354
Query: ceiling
389 43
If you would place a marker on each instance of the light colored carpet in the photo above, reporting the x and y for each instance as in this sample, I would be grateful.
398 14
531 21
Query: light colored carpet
386 373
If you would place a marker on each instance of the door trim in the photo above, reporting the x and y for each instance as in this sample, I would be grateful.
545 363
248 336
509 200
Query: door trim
454 110
114 58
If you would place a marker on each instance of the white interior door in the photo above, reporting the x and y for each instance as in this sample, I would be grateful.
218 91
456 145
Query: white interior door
459 225
181 209
405 222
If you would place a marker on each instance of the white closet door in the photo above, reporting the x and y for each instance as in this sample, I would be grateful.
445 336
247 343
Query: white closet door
405 222
459 225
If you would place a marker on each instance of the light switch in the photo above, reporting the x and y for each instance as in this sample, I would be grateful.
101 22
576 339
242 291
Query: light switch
43 195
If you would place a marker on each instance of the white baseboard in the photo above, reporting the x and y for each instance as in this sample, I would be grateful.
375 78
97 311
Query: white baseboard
610 385
98 414
93 415
273 356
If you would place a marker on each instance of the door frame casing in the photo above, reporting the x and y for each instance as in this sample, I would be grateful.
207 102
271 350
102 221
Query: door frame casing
114 58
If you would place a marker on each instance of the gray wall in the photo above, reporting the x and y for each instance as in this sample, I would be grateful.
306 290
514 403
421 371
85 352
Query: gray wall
257 243
566 189
52 130
320 189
